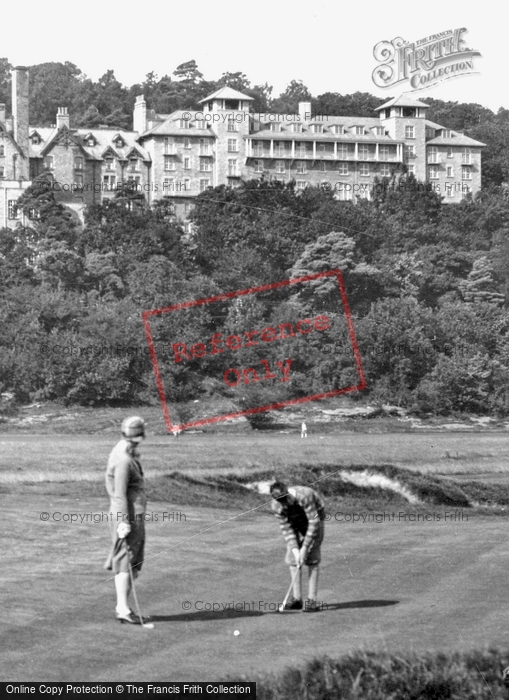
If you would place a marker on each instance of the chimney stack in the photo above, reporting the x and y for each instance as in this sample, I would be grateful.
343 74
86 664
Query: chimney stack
305 111
20 117
63 118
140 115
2 114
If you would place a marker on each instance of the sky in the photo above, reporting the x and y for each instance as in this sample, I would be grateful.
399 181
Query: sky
328 44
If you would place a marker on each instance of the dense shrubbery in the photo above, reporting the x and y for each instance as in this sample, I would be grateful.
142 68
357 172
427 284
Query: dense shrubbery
428 287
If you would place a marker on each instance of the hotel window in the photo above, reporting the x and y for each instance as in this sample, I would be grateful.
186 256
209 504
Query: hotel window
78 180
168 185
317 128
321 147
450 171
109 164
449 190
296 128
446 133
409 132
233 146
12 209
301 168
187 207
134 180
300 149
433 154
466 156
280 148
338 129
134 165
301 185
200 124
363 194
450 153
411 169
385 170
363 152
433 172
379 130
344 193
383 153
364 169
409 152
323 167
274 127
343 150
205 166
343 169
204 184
2 171
49 163
187 184
280 166
232 126
205 146
465 191
187 142
119 143
258 166
109 182
232 167
184 123
359 130
169 163
2 150
187 163
466 174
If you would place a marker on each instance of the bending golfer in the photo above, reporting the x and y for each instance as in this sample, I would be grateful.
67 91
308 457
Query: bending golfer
300 511
125 486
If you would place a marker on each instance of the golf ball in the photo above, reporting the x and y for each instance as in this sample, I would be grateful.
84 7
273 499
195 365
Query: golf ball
236 633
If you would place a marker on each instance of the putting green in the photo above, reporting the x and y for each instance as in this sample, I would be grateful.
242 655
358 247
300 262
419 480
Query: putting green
393 586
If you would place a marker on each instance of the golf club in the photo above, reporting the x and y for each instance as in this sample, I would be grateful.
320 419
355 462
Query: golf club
282 606
147 625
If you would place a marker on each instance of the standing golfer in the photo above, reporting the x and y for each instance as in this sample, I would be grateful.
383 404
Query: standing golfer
300 511
303 430
125 486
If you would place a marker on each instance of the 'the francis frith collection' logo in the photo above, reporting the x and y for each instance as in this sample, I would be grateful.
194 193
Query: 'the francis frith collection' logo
425 62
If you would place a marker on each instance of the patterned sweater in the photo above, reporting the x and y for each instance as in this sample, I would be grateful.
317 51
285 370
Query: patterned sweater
299 519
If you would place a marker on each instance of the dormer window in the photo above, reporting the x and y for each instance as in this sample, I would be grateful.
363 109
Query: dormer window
119 143
338 129
379 130
274 127
35 139
316 128
296 128
359 130
90 140
184 123
446 133
200 124
109 163
134 164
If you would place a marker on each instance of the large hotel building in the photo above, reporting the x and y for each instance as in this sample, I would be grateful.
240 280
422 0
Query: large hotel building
181 154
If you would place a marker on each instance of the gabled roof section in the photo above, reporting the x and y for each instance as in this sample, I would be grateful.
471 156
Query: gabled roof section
226 93
171 127
119 137
63 136
135 152
456 139
404 100
90 136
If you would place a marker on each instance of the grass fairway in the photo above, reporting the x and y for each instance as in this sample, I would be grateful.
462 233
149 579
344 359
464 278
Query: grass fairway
392 586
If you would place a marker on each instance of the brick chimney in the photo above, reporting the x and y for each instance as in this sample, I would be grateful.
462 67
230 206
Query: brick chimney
20 117
140 115
2 114
305 111
63 118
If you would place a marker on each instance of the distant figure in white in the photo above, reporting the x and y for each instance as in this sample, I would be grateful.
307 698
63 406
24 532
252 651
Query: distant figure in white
303 431
176 432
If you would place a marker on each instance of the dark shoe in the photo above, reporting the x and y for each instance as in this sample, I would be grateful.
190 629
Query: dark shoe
293 604
311 606
130 619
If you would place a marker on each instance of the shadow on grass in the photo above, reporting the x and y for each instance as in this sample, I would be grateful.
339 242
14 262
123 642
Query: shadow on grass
330 607
204 615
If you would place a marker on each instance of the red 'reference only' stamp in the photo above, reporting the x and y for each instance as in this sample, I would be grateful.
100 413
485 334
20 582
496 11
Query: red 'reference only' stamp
255 348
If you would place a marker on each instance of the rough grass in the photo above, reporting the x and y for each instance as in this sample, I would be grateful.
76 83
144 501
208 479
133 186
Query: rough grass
376 676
